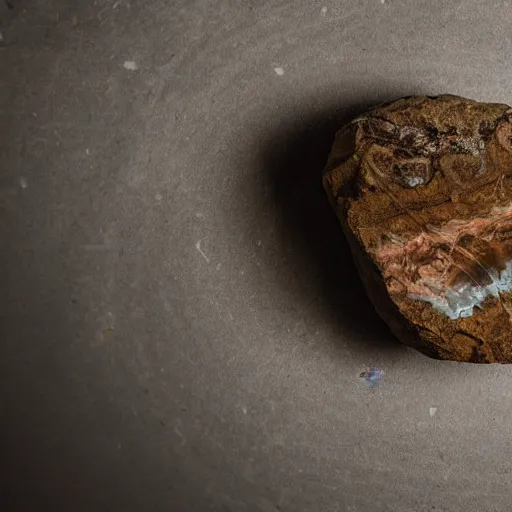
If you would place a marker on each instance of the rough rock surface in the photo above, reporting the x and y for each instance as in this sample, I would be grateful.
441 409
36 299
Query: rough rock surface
423 190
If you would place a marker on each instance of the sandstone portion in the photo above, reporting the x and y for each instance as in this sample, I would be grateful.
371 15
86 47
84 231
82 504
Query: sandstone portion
423 189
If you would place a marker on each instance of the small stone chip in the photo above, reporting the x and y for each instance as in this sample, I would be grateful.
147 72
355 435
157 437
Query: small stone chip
372 376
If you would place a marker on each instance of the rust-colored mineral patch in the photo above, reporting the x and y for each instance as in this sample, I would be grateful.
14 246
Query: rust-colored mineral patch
423 190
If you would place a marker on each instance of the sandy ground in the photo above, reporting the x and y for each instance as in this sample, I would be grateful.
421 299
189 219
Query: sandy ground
181 326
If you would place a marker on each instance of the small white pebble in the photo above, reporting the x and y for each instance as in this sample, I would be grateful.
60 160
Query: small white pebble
432 411
244 410
130 65
87 152
158 197
279 71
258 243
382 2
23 183
324 11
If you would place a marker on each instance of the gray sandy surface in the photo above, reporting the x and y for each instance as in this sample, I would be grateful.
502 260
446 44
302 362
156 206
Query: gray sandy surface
182 327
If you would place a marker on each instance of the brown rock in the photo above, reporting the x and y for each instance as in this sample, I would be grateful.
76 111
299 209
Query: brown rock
423 189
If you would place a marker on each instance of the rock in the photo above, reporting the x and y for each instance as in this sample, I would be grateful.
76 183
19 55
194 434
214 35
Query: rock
423 189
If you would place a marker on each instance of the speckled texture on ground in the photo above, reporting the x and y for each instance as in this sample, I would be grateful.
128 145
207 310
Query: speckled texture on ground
138 374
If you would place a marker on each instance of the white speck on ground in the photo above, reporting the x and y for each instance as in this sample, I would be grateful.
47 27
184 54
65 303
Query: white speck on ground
87 152
198 247
382 2
244 410
432 411
324 11
23 183
130 65
158 197
180 435
258 243
1 37
279 71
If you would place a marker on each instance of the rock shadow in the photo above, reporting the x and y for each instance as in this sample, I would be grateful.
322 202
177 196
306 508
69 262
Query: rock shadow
294 158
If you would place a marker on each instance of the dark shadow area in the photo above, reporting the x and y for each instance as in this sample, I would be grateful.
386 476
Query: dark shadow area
294 160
